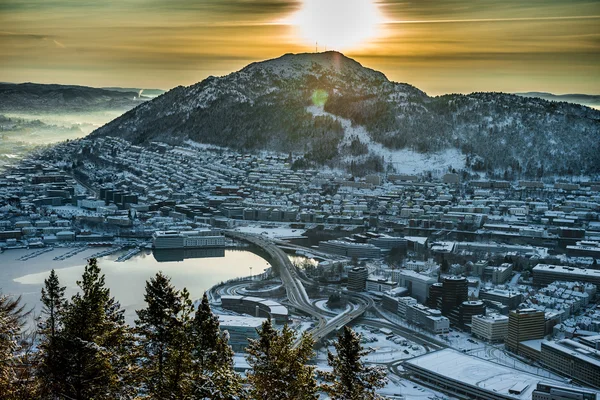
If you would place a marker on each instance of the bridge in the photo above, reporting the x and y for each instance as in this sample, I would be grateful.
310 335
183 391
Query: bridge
296 292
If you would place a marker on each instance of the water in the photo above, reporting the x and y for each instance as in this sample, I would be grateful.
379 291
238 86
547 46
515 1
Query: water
198 270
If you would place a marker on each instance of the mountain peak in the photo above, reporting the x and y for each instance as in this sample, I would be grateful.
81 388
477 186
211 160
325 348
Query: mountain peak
292 65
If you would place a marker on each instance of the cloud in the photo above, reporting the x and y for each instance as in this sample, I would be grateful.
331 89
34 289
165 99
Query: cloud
59 44
517 19
26 36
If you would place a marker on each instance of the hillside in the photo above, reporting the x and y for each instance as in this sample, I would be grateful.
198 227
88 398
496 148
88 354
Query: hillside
337 111
42 98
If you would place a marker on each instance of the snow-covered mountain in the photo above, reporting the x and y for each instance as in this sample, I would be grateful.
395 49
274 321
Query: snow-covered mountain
335 110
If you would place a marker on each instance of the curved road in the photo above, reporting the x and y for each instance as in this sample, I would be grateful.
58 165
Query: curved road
296 293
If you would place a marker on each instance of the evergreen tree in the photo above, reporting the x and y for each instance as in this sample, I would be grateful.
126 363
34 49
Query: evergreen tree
12 321
350 378
279 368
50 368
214 376
95 343
163 332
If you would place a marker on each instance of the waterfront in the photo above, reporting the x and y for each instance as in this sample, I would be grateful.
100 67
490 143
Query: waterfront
126 280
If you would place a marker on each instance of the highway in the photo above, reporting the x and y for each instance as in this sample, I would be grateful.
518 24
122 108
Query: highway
296 293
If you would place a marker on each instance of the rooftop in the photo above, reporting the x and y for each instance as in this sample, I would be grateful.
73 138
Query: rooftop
482 374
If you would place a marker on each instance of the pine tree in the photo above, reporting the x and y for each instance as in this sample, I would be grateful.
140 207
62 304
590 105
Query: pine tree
50 368
12 315
162 337
214 376
350 378
179 371
95 343
280 370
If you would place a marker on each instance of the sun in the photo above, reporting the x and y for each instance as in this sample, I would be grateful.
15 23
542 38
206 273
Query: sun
337 24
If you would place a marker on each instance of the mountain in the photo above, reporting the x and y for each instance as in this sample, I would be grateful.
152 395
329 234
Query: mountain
336 111
41 98
589 100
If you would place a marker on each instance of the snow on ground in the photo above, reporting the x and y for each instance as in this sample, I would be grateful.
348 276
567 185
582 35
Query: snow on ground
322 304
464 342
403 160
398 388
385 350
272 233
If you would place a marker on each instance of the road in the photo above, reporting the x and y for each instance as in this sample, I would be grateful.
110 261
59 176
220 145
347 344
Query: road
296 293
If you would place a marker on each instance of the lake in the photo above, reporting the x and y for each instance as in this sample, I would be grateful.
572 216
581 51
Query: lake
198 270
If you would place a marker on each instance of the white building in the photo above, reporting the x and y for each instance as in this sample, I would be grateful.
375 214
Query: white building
428 318
493 328
417 284
187 239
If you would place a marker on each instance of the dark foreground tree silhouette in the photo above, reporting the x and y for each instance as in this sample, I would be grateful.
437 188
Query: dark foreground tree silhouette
213 374
95 344
12 321
51 369
280 370
161 332
350 378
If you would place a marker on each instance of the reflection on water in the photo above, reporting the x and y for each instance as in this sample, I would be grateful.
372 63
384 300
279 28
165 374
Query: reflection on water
198 270
164 255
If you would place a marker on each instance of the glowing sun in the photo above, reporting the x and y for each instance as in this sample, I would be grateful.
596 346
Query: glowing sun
337 24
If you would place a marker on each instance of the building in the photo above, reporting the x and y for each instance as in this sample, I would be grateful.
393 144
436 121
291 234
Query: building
500 274
492 328
256 307
404 303
350 249
386 242
417 284
187 239
525 324
434 300
591 341
427 318
357 278
421 265
546 391
574 360
464 313
240 329
455 291
376 284
506 297
544 274
468 377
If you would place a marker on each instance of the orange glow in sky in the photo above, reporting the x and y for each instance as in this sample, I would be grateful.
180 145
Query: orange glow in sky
337 24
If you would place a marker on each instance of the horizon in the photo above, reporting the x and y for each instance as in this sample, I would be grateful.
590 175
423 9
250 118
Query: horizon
108 87
440 47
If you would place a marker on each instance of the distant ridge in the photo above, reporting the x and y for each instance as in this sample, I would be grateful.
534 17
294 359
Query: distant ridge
589 100
35 97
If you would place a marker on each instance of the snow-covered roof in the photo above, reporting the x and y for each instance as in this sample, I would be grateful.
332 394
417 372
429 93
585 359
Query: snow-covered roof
485 375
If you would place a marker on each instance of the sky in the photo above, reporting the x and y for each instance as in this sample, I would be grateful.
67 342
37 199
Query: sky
439 46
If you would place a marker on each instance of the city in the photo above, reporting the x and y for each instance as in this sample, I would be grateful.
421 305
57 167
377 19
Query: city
434 270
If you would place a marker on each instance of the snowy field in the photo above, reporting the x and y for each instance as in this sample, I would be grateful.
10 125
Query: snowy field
281 232
404 161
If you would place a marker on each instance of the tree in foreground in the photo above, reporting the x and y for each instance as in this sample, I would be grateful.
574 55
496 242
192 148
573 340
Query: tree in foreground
162 336
214 376
12 321
280 370
50 369
350 378
95 345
